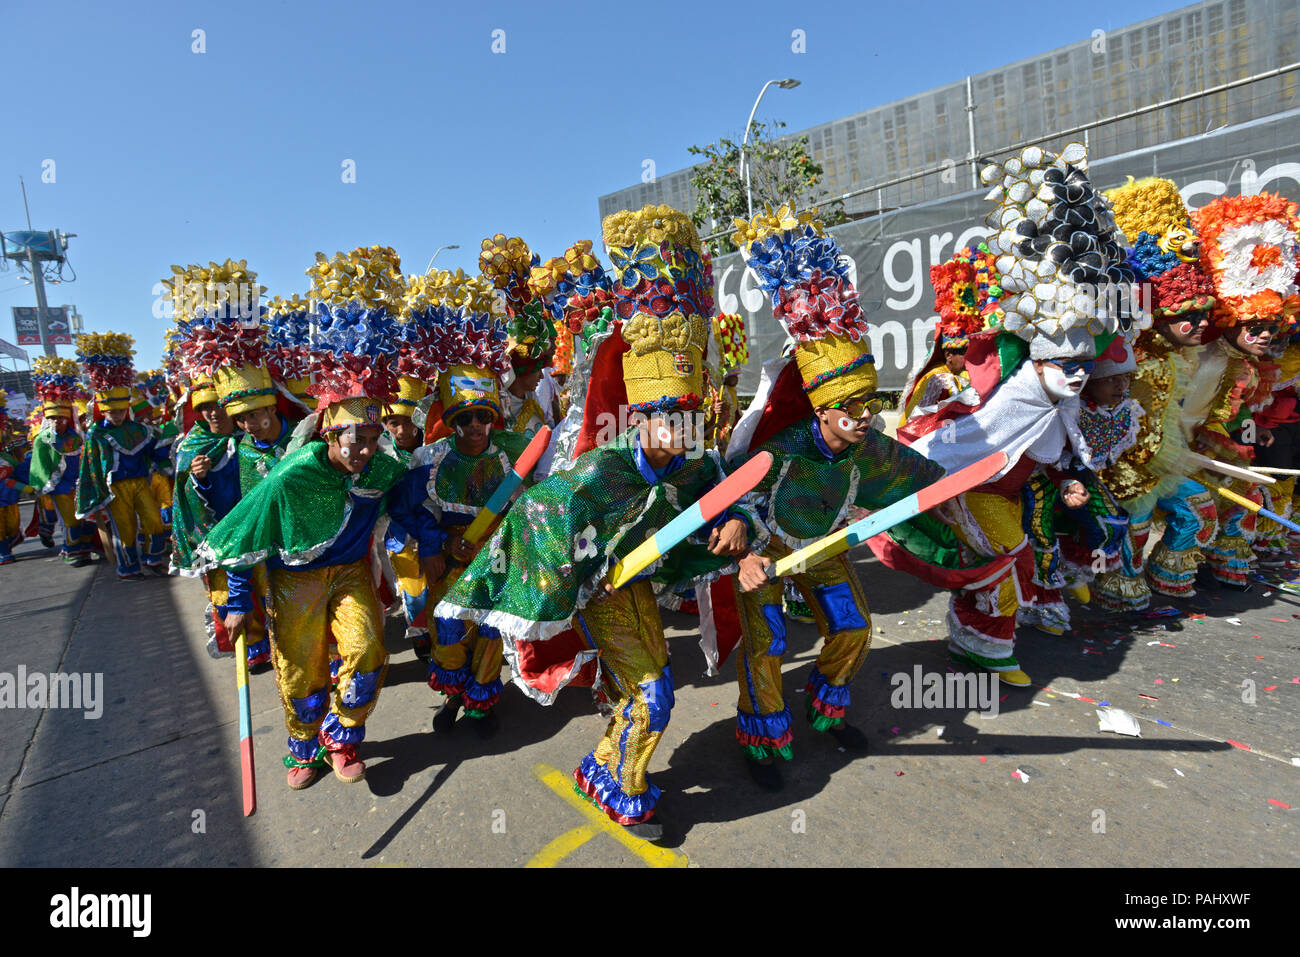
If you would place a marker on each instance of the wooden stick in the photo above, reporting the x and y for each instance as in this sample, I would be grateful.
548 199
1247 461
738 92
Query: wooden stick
247 776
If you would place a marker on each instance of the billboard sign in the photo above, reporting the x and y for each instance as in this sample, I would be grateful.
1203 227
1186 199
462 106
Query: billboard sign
890 255
57 331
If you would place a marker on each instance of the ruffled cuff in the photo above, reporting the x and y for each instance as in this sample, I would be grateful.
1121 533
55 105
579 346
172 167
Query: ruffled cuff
769 731
595 781
480 699
303 750
450 683
826 700
334 735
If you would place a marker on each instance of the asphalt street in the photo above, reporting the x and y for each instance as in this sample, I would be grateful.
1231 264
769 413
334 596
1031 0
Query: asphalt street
1213 779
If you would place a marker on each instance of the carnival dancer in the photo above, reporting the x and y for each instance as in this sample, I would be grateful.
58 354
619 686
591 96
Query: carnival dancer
1047 294
56 453
542 578
1072 546
312 517
223 338
452 478
1280 422
206 451
13 483
152 409
403 439
1153 473
1248 248
117 459
943 375
733 354
535 294
812 413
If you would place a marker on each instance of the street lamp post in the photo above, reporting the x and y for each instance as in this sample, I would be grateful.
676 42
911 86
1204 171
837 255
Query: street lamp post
435 255
786 84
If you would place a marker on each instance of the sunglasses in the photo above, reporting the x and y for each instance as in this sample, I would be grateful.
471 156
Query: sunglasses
1074 366
860 408
481 416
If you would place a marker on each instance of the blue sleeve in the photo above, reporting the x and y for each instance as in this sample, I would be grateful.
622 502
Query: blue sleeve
406 506
241 590
219 489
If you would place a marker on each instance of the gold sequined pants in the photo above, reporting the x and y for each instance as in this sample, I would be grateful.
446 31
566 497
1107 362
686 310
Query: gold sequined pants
838 605
628 634
309 606
132 511
466 656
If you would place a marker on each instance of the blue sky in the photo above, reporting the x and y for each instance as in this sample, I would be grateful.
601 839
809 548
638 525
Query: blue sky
163 155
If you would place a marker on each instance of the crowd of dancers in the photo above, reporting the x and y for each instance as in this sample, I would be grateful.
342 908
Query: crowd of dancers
499 457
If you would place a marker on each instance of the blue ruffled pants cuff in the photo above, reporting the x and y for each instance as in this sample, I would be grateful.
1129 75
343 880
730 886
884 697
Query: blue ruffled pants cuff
595 781
333 729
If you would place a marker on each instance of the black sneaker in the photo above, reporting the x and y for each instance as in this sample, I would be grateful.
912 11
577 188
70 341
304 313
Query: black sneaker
651 830
848 737
81 561
766 776
488 725
47 541
444 721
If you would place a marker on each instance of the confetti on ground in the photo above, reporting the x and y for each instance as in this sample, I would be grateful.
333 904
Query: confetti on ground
1271 688
1297 760
939 731
1259 657
1279 804
1283 620
1254 636
898 774
1238 744
1160 681
1104 704
1167 724
1149 697
1233 621
1044 704
1179 773
1150 643
1119 721
1021 776
894 730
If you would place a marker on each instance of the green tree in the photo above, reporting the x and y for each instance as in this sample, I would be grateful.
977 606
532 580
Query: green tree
780 170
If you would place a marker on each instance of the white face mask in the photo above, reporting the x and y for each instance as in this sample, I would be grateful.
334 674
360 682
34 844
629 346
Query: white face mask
1060 386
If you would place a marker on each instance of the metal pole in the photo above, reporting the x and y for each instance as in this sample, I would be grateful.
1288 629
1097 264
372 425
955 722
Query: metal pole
970 134
38 280
744 142
435 255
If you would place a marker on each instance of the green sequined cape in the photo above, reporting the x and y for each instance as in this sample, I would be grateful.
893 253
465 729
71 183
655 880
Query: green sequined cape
192 518
462 484
50 455
297 512
558 541
99 457
806 496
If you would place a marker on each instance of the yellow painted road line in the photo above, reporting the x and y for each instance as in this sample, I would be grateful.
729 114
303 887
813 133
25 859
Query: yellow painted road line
563 846
600 824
